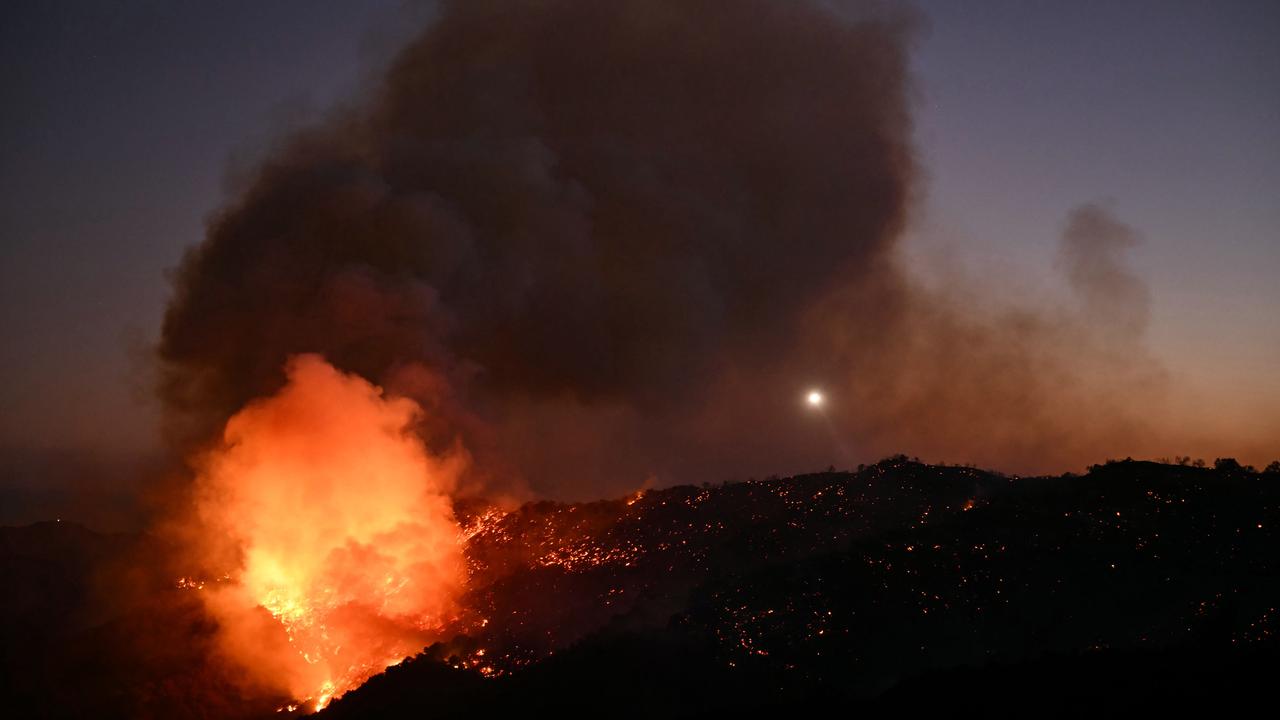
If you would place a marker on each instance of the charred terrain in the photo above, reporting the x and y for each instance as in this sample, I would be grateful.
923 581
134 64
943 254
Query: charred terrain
902 585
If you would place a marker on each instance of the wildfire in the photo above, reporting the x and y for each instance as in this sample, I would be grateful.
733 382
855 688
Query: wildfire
488 523
575 556
343 529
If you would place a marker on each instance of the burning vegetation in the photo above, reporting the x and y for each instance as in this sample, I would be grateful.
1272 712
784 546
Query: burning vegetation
335 521
338 551
792 592
785 592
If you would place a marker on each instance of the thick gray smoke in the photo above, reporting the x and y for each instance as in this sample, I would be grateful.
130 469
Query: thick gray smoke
605 242
560 208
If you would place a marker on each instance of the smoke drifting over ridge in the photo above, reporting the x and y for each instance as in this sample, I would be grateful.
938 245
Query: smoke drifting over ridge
605 242
964 377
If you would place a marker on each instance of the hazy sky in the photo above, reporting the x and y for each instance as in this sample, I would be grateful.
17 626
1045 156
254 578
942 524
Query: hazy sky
119 122
1169 110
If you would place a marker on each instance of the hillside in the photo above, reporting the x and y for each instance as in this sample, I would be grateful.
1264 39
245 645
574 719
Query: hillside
877 589
901 585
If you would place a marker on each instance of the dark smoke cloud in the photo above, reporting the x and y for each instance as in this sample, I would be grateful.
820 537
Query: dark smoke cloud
564 208
604 242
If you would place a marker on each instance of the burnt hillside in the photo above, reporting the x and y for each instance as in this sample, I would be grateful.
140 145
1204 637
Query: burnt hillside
870 589
874 589
899 586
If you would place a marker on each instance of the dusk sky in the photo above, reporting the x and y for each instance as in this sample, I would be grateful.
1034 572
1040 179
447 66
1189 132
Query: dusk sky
124 121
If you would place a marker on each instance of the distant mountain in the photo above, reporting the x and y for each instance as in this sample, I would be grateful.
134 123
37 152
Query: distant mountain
899 587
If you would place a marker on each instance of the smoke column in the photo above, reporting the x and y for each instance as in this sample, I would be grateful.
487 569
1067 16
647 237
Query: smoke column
600 243
574 218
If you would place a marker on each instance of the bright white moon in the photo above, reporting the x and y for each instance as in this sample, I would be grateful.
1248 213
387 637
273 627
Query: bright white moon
814 398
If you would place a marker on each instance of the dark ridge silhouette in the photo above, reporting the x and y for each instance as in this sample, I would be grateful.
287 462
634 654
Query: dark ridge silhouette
897 587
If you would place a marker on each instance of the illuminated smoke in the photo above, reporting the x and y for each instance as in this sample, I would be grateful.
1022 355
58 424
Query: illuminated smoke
576 216
606 242
330 515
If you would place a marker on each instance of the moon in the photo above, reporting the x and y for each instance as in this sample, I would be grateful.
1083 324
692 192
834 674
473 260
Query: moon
814 398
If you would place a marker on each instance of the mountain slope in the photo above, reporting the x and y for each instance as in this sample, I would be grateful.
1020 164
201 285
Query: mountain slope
862 588
899 586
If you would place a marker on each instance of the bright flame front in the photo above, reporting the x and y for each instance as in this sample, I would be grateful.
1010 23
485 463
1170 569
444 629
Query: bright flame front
342 527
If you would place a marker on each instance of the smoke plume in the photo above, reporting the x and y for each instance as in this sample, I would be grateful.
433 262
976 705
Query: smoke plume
605 243
577 217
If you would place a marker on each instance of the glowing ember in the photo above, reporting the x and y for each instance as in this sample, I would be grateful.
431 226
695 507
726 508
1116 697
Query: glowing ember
588 554
341 524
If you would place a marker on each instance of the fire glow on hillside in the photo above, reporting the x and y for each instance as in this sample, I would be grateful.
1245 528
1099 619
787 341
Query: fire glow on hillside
340 525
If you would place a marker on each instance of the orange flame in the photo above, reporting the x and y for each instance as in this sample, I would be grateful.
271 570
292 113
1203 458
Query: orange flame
343 529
